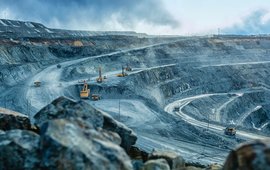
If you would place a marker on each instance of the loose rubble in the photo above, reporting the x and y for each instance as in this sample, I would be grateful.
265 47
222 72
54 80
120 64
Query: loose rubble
13 120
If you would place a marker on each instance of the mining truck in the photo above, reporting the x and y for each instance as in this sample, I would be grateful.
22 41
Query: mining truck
230 131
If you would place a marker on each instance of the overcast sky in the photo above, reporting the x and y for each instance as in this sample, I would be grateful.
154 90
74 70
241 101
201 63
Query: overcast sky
182 17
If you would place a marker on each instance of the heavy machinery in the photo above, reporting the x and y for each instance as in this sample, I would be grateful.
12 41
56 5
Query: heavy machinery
37 83
230 130
128 68
84 94
95 97
176 109
123 74
99 79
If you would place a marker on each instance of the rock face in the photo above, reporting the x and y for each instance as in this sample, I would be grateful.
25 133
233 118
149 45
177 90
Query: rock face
159 164
67 108
71 135
13 120
128 137
250 156
63 107
72 144
174 160
19 150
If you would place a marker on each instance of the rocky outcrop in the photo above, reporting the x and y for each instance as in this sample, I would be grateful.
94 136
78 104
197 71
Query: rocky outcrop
13 120
73 144
138 154
158 164
19 150
63 144
250 156
63 107
128 137
174 160
71 135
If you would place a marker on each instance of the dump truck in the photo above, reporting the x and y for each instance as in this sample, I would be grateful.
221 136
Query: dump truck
96 97
176 109
230 131
84 94
37 83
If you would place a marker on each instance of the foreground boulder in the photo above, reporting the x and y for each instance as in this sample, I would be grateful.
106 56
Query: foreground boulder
253 155
13 120
73 144
127 135
138 154
174 160
19 150
63 107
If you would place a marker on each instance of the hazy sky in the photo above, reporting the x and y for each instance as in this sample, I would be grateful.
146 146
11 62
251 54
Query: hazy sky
183 17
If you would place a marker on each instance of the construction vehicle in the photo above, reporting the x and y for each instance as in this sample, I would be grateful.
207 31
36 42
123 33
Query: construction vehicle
84 94
58 66
123 74
176 109
230 131
37 83
95 97
99 79
128 68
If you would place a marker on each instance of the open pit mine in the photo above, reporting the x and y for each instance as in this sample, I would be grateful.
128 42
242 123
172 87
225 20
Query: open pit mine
127 100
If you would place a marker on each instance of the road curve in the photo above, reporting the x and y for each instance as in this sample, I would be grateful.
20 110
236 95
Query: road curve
199 123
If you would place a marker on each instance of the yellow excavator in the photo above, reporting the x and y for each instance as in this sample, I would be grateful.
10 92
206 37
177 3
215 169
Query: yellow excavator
99 79
84 94
123 74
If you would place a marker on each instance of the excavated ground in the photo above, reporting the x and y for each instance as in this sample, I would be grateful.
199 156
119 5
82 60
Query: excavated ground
214 81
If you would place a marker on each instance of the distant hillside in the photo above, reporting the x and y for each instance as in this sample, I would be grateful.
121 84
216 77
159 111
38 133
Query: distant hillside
19 29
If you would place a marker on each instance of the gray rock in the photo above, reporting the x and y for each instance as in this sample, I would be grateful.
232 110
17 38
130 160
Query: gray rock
193 168
127 135
64 107
2 132
137 164
19 150
158 164
138 154
111 136
69 144
174 160
13 120
214 166
254 155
